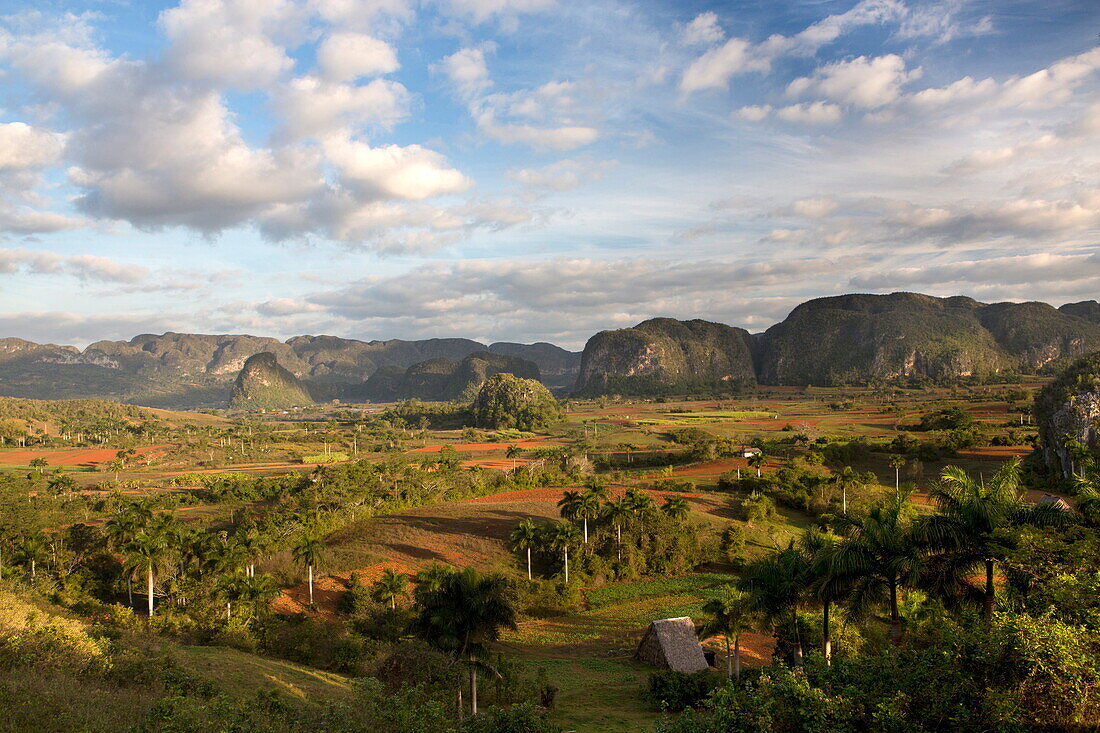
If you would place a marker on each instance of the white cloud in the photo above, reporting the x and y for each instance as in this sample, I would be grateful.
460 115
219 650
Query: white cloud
83 267
703 30
754 112
482 10
24 146
866 83
231 42
564 175
313 107
715 68
392 172
348 56
566 137
467 70
812 113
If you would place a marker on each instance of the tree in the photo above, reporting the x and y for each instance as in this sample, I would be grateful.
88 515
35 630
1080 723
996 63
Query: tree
1088 495
729 615
640 505
308 553
147 554
974 521
524 537
778 585
513 452
877 555
846 479
60 482
897 462
507 401
757 460
389 587
464 615
31 551
825 583
588 507
616 512
564 535
676 507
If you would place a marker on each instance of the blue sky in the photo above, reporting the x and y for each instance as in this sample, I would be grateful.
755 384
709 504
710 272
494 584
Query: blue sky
535 169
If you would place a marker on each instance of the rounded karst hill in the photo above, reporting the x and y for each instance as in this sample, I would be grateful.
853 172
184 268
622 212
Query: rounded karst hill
1067 413
263 384
507 401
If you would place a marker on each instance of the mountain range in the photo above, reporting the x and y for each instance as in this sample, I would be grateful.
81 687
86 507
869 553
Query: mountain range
832 340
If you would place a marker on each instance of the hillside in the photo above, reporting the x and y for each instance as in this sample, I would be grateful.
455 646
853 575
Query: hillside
263 384
1067 412
856 338
443 379
665 355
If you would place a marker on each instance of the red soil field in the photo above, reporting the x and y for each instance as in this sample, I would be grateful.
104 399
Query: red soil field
475 447
71 457
996 452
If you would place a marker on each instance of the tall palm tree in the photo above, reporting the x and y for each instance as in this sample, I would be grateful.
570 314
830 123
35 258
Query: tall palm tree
641 505
676 507
464 615
588 507
430 579
878 555
564 535
389 586
973 521
897 462
147 554
258 592
778 585
616 512
757 460
846 479
1088 495
825 584
568 504
524 537
308 552
729 615
31 551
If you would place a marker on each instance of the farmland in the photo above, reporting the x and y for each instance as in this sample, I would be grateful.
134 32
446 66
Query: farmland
396 495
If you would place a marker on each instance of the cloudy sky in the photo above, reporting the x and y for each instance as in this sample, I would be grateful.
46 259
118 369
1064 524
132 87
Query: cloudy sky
535 169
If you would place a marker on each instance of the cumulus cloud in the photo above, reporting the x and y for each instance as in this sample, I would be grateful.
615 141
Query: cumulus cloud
314 107
231 42
812 113
412 173
467 70
866 83
347 56
83 267
24 146
480 11
703 30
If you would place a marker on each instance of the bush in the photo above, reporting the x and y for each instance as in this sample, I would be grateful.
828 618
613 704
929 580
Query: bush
676 691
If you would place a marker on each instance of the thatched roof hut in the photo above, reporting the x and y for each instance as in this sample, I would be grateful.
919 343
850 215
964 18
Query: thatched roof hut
673 644
1055 501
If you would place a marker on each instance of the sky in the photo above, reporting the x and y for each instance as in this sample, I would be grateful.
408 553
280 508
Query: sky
535 170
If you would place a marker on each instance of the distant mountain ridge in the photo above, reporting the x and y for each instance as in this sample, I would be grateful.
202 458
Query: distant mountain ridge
841 339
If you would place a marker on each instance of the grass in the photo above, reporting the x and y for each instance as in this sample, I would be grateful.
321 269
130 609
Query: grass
239 674
613 594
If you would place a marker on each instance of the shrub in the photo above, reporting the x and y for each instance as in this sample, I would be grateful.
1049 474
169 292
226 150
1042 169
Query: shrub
676 691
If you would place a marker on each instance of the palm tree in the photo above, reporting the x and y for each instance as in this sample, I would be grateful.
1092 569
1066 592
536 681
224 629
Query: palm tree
31 550
563 535
464 615
676 507
513 452
972 520
568 504
258 591
524 537
617 512
1088 495
308 552
729 615
588 507
778 585
897 462
640 505
847 479
147 554
249 544
756 460
877 556
389 586
430 579
825 584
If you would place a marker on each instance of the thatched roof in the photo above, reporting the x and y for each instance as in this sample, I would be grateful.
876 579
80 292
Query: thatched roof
1055 501
672 643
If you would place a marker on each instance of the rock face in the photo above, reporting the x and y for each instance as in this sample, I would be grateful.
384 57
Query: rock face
192 370
551 360
665 355
263 384
1067 413
444 379
860 338
506 401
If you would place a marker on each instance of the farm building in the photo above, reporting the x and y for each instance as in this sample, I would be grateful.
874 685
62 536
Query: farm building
749 452
673 644
1055 501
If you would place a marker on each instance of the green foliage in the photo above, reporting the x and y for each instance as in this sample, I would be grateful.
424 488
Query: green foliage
676 691
506 401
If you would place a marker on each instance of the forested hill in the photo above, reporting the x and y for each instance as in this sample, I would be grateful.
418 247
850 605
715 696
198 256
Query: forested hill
844 339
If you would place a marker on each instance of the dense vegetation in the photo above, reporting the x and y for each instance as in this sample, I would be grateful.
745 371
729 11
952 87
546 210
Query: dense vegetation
509 402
